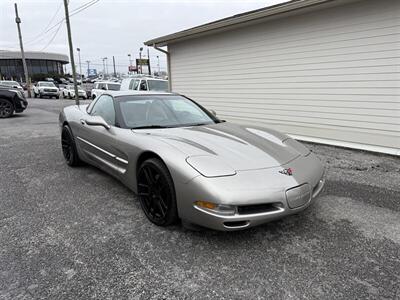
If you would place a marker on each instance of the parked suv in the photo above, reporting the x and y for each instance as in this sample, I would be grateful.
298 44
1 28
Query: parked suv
12 101
46 88
144 84
101 86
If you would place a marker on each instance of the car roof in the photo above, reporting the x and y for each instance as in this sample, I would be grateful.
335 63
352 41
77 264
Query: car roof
107 82
137 93
144 77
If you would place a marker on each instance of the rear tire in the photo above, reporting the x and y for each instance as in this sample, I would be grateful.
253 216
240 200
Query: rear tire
157 193
69 148
6 108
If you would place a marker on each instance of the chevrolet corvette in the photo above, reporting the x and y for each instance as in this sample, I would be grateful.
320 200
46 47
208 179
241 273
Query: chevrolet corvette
184 163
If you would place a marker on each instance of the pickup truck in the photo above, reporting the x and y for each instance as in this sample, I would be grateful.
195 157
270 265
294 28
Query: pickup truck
46 88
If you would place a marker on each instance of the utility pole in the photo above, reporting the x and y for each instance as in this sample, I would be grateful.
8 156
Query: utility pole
71 51
148 56
27 80
88 67
115 73
158 65
80 65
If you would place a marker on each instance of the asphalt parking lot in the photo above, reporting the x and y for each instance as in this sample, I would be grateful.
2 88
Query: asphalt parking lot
79 234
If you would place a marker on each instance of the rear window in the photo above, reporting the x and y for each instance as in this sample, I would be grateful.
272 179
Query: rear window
114 87
157 85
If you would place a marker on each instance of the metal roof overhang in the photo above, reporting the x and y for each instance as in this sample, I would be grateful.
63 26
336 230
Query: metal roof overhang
247 18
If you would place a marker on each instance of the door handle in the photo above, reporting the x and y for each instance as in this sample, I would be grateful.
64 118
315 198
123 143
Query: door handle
83 122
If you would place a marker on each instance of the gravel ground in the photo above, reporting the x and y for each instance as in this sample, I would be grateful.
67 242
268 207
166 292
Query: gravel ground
79 234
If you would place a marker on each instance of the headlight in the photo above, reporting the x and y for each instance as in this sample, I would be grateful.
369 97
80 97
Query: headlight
19 93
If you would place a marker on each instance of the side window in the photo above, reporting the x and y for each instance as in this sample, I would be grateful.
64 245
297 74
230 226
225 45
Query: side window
143 85
96 86
131 84
136 84
104 107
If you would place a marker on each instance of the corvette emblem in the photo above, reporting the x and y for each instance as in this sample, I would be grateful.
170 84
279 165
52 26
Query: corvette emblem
288 172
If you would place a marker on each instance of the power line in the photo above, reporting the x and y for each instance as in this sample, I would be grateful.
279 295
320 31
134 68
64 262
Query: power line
48 24
53 37
73 12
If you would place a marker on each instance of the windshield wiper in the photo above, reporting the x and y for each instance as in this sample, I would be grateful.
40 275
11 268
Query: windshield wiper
151 126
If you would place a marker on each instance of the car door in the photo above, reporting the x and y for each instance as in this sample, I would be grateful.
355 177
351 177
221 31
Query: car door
100 144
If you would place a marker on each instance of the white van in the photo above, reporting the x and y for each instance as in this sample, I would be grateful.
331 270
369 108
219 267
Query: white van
144 84
101 86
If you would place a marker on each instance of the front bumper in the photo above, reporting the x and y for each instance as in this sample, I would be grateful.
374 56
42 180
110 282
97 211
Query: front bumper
49 93
20 105
259 196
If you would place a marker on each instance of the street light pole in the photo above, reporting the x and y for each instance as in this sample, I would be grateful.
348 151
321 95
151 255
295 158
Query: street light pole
104 66
130 63
80 65
88 67
140 59
71 51
158 65
18 21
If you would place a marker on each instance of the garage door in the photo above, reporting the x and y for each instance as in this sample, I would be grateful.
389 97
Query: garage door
331 75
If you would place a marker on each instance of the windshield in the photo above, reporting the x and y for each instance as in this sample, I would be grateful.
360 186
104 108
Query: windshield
114 86
158 111
158 85
47 84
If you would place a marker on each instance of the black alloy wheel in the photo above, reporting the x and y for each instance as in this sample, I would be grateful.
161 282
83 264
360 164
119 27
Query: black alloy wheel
68 147
156 192
6 108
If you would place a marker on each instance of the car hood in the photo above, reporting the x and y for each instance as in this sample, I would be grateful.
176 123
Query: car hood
237 146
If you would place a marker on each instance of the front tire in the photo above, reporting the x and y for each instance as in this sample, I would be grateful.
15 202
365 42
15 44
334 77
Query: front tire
6 108
69 148
157 193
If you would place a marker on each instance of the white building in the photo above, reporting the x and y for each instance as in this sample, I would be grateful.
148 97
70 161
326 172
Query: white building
322 71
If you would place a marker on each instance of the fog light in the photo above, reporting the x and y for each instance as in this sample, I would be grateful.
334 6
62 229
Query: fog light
221 209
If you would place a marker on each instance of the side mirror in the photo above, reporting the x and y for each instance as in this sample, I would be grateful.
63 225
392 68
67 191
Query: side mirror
104 88
97 121
213 112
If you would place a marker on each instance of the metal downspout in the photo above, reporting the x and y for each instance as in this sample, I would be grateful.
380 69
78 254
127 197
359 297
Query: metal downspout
168 65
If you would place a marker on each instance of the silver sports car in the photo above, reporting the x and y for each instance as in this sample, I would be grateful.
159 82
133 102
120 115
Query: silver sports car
185 163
